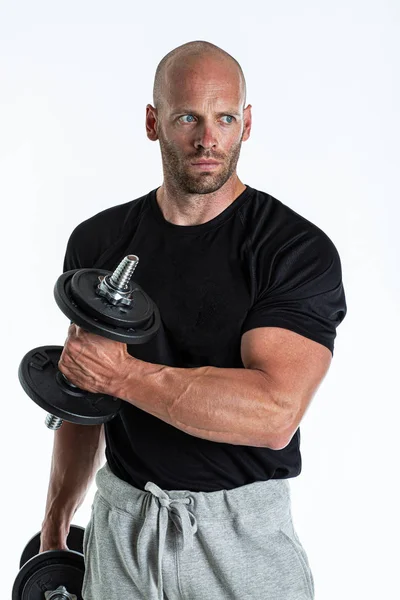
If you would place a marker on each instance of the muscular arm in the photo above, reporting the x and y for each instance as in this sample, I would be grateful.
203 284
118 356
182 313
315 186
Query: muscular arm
78 452
222 405
260 405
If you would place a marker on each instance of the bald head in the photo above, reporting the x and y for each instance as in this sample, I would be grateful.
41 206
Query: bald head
200 56
199 112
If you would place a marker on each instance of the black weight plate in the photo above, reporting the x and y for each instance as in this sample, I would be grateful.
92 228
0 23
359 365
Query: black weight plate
84 284
74 542
43 382
47 571
113 330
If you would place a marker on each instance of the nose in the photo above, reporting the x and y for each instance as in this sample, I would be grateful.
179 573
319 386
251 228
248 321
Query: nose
206 137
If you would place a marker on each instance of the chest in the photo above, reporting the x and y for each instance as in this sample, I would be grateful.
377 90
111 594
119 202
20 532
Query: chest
201 287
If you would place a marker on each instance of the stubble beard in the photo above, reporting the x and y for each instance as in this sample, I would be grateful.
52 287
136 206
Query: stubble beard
182 176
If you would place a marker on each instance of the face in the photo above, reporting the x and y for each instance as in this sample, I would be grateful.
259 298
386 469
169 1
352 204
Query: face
202 118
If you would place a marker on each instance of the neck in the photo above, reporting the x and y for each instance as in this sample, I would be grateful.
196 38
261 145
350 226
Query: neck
181 208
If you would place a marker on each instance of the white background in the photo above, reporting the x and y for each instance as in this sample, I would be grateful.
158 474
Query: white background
323 81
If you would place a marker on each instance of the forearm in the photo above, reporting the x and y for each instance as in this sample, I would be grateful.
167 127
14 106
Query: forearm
78 452
222 405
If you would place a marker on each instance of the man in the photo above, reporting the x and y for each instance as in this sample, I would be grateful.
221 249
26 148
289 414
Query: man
194 501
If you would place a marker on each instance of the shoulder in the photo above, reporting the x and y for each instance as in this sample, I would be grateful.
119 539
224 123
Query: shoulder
275 226
93 236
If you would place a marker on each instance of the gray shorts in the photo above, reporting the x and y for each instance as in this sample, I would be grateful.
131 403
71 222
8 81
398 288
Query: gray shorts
238 544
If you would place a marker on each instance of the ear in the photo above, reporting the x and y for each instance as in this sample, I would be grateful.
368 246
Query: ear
151 123
247 122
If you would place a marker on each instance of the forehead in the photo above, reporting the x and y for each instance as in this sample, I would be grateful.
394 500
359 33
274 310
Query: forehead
202 80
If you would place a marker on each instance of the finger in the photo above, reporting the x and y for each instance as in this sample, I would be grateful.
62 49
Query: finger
72 329
79 331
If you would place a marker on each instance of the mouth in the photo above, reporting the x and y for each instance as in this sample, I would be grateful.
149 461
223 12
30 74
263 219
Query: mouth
206 165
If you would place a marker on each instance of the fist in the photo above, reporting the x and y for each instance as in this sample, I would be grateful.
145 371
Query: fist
92 362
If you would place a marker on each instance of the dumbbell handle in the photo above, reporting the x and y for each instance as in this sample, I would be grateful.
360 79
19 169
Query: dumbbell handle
53 422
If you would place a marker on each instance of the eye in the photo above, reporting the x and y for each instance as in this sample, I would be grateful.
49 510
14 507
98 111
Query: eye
189 116
229 117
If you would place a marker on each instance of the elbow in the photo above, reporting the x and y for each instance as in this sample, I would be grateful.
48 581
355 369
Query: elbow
284 433
279 443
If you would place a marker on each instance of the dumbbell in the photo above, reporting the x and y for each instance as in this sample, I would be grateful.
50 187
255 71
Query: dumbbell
51 575
106 303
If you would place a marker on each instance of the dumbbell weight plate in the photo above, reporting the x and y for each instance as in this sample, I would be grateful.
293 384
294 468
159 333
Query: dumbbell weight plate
74 542
75 294
47 571
43 382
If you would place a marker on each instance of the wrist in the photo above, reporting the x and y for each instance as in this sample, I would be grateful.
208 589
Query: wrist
59 514
56 527
122 378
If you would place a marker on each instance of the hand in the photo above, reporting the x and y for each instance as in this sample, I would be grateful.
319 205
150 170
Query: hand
52 539
92 362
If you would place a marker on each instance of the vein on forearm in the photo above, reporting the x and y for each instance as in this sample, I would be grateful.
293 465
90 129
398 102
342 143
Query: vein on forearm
225 405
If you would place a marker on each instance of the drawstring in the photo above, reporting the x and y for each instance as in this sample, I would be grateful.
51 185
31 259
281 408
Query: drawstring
183 519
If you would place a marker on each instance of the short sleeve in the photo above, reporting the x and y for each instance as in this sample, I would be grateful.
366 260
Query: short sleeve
71 258
300 289
82 250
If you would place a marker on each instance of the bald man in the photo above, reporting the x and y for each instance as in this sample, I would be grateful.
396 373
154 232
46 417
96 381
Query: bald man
193 501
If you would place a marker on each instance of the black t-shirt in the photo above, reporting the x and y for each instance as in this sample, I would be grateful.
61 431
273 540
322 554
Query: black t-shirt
257 264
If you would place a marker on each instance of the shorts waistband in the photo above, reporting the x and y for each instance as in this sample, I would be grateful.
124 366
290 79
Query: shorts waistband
270 498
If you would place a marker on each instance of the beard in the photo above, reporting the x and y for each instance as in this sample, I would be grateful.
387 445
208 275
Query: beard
180 174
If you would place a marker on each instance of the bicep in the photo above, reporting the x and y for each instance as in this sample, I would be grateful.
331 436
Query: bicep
292 366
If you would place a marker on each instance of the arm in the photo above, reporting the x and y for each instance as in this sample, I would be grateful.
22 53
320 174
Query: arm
78 452
223 405
260 405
